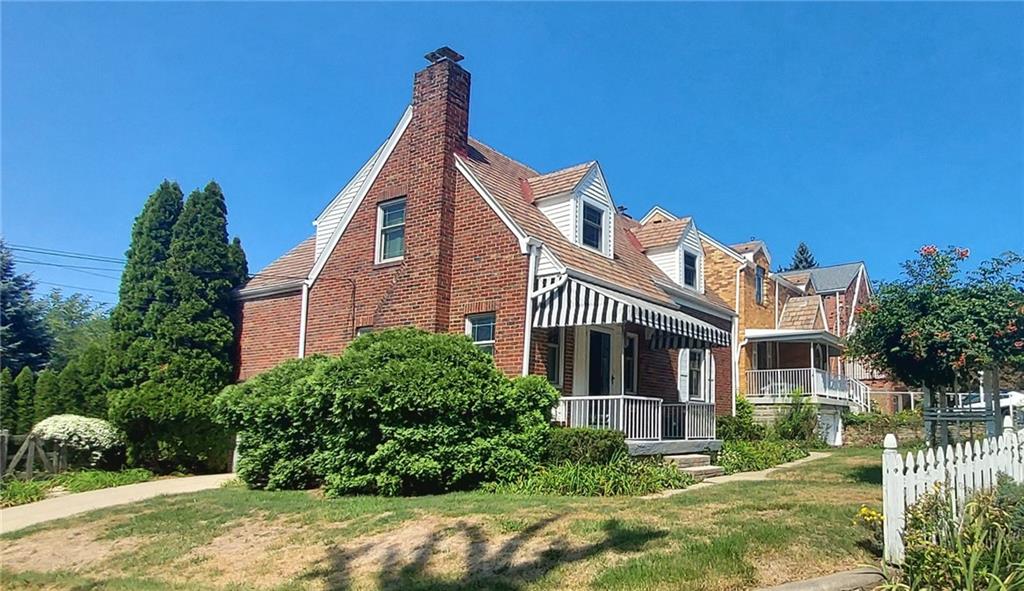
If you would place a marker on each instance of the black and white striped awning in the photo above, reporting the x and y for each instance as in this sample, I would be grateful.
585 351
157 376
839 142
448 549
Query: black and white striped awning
566 301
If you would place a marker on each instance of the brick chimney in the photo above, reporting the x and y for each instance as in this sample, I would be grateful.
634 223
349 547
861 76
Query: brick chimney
439 129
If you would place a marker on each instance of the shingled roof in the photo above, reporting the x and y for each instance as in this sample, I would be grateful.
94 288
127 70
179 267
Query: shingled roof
661 233
802 313
832 278
515 186
290 268
558 182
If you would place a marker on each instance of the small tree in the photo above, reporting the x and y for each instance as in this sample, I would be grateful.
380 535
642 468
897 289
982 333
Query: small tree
8 405
938 326
47 395
802 258
25 388
76 322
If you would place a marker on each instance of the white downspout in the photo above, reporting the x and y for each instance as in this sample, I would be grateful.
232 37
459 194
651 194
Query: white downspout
735 340
528 324
302 320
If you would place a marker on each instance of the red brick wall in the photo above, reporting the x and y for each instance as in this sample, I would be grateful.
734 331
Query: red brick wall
268 333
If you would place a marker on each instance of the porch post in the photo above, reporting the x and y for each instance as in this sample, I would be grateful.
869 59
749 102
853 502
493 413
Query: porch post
812 355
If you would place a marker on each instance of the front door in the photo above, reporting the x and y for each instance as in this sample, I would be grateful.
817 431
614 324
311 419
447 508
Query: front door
599 382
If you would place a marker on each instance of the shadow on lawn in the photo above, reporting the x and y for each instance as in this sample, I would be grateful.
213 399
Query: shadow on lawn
868 474
509 566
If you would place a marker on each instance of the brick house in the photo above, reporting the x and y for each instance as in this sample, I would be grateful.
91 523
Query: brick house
440 231
790 329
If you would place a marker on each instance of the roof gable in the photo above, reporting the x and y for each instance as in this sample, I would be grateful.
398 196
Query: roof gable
831 278
657 233
802 313
559 182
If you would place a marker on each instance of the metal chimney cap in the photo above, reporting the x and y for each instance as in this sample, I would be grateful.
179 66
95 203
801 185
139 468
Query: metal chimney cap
443 53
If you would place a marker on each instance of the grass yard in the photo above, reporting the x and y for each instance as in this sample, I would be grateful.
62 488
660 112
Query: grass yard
730 536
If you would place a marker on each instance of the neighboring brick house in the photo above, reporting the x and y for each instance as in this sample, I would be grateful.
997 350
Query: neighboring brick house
438 230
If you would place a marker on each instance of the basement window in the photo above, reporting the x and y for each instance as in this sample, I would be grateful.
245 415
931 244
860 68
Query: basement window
391 231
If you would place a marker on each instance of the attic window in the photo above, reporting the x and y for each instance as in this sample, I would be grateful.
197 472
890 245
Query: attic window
593 226
690 269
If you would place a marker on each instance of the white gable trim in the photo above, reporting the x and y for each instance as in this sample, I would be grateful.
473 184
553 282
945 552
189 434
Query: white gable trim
852 306
654 211
732 253
521 236
388 148
824 316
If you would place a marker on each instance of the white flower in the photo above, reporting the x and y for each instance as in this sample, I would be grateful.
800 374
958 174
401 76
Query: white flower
79 433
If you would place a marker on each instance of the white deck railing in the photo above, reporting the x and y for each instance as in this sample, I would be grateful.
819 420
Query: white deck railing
640 418
780 383
688 420
962 469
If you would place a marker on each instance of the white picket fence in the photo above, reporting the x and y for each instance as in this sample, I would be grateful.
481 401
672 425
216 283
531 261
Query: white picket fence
962 469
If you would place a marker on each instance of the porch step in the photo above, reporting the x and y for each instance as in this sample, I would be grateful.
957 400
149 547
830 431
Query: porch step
701 472
689 460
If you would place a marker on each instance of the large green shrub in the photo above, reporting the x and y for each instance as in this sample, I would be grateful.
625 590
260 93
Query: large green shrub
584 446
400 412
799 422
747 456
741 426
623 475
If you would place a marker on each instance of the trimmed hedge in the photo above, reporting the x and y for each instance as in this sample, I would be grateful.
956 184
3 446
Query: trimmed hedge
400 412
747 456
584 446
742 426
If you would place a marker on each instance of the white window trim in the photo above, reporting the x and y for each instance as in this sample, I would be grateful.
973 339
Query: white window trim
378 253
683 377
696 270
469 328
631 336
584 203
761 281
560 361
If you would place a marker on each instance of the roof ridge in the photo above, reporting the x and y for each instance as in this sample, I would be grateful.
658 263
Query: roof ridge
587 164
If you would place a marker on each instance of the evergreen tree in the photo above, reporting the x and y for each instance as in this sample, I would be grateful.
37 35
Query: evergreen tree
239 264
802 258
69 388
47 395
8 406
24 338
25 388
167 417
93 391
146 294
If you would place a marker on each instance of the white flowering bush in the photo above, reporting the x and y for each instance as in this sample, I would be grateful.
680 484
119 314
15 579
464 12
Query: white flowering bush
89 442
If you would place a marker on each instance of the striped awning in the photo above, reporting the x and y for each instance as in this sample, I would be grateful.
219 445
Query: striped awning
566 301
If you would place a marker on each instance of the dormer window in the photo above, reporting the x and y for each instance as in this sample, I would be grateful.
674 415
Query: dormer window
690 270
592 226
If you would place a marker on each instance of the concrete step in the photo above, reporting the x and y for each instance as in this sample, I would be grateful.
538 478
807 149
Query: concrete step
701 472
689 460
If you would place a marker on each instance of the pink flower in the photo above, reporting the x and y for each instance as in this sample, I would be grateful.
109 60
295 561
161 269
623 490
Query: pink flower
929 250
1019 344
963 253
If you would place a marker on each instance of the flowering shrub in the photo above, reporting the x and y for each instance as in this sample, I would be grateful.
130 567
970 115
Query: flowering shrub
872 521
89 442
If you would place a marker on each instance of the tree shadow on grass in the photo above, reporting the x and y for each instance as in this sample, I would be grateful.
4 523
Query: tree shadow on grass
867 474
510 565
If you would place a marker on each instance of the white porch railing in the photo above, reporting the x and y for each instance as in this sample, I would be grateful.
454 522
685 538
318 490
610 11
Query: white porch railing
640 418
780 383
688 420
962 469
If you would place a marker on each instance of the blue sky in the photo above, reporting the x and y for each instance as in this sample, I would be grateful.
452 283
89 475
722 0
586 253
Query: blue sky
865 130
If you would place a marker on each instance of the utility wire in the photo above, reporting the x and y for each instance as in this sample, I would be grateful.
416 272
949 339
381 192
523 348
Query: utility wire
66 254
78 287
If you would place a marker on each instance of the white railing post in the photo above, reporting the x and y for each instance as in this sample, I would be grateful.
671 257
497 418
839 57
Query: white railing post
893 486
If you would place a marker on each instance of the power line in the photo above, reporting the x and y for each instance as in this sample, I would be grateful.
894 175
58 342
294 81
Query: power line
78 287
67 254
70 268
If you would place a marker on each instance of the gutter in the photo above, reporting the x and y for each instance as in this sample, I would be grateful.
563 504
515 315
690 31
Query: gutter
243 294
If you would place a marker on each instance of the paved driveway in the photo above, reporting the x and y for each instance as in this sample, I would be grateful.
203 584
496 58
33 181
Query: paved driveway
49 509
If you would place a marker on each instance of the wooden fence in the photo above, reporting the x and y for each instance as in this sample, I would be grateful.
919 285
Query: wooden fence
961 469
31 457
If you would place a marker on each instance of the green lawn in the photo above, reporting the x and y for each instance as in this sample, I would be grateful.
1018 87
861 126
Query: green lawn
730 536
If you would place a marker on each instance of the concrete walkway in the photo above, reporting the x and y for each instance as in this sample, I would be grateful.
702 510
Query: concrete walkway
739 476
15 518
